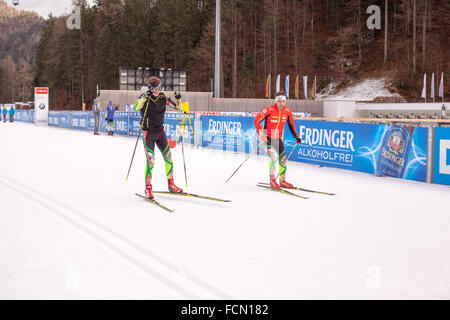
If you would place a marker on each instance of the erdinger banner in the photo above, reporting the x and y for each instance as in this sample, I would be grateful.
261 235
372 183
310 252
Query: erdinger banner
41 106
228 133
393 151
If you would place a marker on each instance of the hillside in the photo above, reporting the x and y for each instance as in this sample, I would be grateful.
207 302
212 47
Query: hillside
20 33
19 38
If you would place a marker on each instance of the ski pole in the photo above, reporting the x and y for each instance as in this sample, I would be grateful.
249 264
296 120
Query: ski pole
137 140
132 158
182 148
240 166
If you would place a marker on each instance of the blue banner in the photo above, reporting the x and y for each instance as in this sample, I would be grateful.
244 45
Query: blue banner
336 144
121 123
134 123
441 171
172 127
23 115
79 120
228 133
371 148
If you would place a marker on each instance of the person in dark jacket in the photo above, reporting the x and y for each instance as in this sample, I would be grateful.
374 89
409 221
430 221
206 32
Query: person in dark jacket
5 112
96 111
152 106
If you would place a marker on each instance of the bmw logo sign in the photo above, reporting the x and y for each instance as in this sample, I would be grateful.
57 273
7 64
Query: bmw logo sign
42 106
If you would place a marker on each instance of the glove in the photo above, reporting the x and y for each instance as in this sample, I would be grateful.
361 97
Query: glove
299 141
177 95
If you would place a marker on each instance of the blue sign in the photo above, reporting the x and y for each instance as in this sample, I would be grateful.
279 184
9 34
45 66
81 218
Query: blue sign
441 170
121 123
172 127
337 144
79 120
134 123
228 133
359 147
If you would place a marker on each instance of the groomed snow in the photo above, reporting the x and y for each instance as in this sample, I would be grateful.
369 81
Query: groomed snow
72 228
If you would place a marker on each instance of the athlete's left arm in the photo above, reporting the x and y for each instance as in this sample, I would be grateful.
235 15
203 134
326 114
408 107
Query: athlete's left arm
291 125
173 105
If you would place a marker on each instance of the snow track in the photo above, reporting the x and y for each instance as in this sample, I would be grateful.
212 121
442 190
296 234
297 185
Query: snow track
72 228
149 263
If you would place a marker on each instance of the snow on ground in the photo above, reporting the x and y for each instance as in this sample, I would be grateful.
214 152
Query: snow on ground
366 90
72 228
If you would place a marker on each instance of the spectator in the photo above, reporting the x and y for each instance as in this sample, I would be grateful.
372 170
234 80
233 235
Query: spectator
12 111
5 112
110 118
96 110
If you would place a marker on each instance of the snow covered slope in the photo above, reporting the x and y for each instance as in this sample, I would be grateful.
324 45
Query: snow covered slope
71 227
366 90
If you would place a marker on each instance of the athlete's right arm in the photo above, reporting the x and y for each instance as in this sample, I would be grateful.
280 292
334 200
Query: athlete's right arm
140 103
260 117
257 123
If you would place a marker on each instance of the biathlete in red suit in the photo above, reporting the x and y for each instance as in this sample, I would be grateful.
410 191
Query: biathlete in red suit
275 117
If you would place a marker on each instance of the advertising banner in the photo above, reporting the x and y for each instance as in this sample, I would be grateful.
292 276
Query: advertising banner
53 118
441 174
79 120
134 123
393 151
172 127
41 106
121 123
228 133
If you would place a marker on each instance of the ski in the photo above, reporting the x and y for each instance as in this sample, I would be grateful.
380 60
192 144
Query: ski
154 202
191 195
282 191
303 189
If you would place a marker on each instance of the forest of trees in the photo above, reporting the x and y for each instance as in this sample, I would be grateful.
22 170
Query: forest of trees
324 38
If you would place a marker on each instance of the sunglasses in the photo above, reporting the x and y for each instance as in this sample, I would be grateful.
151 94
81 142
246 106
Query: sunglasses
155 86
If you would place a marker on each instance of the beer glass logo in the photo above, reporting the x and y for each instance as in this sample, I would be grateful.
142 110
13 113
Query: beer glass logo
394 151
396 142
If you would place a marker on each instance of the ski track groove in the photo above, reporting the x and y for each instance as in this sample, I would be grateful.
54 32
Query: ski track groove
65 213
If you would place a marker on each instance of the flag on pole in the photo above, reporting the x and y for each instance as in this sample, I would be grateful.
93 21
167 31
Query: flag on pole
296 87
441 87
313 93
424 90
268 86
305 86
432 87
287 86
278 84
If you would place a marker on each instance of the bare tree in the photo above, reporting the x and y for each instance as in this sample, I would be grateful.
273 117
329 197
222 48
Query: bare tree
385 30
414 37
424 34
